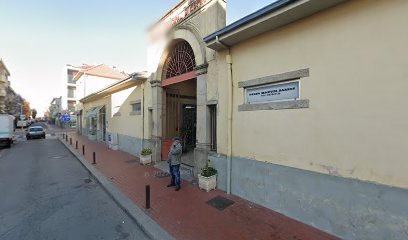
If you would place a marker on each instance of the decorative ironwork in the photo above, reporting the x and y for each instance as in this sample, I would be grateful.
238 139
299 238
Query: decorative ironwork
181 60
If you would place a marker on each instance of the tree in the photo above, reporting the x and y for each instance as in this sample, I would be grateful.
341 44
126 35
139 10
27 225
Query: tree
34 113
26 109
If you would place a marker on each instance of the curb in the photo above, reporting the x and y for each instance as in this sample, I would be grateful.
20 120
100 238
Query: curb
152 229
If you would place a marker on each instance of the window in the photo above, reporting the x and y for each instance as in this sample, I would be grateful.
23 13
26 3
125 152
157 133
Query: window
71 106
213 126
36 129
71 93
136 108
71 79
150 122
71 74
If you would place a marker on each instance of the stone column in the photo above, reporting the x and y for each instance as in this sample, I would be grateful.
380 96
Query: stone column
203 121
157 119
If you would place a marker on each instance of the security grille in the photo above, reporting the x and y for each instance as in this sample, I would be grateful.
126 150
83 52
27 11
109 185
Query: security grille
181 60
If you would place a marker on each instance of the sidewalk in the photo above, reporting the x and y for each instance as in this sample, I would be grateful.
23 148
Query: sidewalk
185 214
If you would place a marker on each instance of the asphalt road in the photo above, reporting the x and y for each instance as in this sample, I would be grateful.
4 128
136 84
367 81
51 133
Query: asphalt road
45 193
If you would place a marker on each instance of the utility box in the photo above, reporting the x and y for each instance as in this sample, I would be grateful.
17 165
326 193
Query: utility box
113 141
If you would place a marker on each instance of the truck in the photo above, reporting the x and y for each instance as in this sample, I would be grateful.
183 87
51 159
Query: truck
6 130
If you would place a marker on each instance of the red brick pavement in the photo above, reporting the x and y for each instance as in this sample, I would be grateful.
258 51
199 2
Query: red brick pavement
185 214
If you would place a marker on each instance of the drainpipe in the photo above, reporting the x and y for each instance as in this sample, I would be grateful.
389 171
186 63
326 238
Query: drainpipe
230 106
143 109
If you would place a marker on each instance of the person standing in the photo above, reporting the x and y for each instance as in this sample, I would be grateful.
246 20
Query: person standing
174 160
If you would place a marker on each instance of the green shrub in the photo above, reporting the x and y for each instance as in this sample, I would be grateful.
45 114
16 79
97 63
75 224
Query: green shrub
207 170
146 151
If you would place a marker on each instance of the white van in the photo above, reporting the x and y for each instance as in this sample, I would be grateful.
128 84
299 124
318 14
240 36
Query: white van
6 130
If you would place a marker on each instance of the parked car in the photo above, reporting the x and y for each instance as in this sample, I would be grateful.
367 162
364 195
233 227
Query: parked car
35 132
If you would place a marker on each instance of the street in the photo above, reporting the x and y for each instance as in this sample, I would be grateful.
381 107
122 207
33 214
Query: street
47 194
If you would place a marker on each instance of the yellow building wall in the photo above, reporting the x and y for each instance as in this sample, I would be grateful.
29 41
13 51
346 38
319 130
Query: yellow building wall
356 125
125 123
217 90
147 106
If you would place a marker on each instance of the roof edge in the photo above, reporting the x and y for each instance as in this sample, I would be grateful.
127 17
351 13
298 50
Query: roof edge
136 76
249 18
89 73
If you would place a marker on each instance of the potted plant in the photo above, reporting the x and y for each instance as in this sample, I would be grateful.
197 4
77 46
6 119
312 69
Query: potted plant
207 179
92 135
146 156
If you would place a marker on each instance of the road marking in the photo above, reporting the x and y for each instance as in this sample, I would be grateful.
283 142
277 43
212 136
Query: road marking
58 156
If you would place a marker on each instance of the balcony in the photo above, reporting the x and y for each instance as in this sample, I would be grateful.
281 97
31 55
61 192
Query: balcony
71 84
70 80
71 108
71 94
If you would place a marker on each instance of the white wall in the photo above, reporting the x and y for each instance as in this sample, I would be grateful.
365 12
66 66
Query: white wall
89 84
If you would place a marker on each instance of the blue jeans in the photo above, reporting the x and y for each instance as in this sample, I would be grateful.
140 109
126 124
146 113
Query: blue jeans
175 175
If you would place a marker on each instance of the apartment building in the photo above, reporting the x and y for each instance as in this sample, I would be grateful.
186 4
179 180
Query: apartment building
89 81
4 83
69 95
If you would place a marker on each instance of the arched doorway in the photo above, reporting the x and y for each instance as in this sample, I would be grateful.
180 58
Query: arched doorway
179 100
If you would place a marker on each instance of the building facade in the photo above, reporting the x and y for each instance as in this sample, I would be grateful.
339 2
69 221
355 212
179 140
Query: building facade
4 84
69 98
114 114
299 106
316 131
55 109
70 92
183 83
14 102
89 81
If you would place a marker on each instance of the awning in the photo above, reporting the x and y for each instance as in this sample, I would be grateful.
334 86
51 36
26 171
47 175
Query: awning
93 111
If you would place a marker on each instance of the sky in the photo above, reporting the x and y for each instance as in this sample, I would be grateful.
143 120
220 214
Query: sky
39 37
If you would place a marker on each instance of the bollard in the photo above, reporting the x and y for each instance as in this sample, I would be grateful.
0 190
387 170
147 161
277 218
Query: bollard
147 196
70 141
76 144
83 149
94 158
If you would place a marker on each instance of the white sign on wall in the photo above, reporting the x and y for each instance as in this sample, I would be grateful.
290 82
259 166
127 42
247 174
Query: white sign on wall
274 92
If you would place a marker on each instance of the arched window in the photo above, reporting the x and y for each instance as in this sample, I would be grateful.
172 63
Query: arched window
181 60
